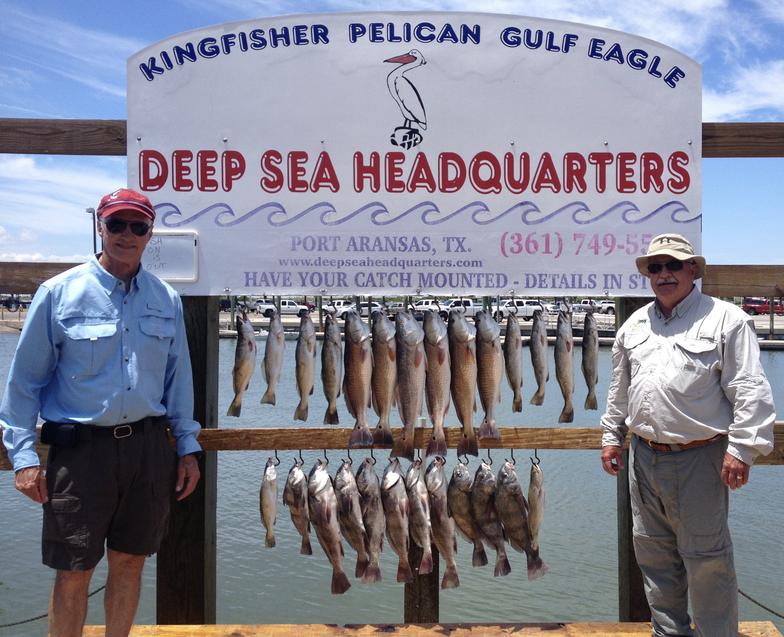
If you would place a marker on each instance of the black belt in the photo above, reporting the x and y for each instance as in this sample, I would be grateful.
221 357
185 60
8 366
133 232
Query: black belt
120 431
69 434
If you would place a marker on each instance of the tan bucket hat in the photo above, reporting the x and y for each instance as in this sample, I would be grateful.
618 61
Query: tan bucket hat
674 245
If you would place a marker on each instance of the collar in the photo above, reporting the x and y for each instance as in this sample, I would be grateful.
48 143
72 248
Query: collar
108 281
682 309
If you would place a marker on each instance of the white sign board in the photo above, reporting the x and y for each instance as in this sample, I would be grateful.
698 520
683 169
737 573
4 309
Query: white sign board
417 153
173 256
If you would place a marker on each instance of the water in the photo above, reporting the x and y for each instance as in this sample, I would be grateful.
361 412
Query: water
278 585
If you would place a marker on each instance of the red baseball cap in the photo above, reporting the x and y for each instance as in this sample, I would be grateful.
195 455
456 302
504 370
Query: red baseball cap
125 199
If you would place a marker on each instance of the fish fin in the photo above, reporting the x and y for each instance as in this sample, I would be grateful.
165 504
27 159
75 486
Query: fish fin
301 412
305 549
426 565
515 544
450 579
475 407
467 445
311 390
419 357
489 430
437 444
331 415
372 574
590 401
382 434
236 407
479 557
517 403
269 397
404 573
536 567
269 540
340 583
567 414
360 436
537 398
502 566
361 567
404 446
392 354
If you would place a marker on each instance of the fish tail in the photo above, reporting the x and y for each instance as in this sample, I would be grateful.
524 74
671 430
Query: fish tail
437 444
382 434
404 446
590 400
301 412
236 406
426 565
467 445
361 567
536 566
404 573
269 396
517 402
360 436
305 549
340 583
502 566
567 414
450 579
488 430
372 573
538 397
479 557
331 415
269 540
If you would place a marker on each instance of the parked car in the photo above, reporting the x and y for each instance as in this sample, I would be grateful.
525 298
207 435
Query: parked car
606 306
429 304
394 307
523 308
365 309
287 307
553 307
337 306
468 306
759 305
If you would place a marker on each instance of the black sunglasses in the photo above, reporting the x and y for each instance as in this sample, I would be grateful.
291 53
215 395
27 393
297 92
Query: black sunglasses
117 226
672 266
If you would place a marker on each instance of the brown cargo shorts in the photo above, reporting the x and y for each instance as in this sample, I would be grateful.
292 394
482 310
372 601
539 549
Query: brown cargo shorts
108 491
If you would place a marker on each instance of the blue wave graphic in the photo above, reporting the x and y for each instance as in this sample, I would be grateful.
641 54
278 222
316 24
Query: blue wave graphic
428 212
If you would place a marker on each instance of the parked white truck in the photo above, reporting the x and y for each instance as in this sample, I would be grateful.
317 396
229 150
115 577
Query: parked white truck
287 307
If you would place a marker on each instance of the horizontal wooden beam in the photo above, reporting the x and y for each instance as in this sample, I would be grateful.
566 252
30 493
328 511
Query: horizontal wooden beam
108 137
63 136
315 438
551 629
719 280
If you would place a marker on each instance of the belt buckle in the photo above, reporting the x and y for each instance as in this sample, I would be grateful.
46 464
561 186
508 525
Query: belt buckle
122 431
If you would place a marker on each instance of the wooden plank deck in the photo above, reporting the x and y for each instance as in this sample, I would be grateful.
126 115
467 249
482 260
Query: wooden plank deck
627 629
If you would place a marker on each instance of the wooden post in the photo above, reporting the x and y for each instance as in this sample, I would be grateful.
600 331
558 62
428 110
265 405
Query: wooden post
632 604
186 562
420 598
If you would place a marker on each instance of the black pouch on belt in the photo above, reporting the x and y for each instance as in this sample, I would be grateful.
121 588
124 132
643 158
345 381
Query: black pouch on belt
60 434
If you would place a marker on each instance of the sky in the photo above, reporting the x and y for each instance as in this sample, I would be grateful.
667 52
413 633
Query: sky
68 60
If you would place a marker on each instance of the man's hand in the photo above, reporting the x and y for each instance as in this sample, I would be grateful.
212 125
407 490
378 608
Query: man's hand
188 475
734 472
32 482
612 459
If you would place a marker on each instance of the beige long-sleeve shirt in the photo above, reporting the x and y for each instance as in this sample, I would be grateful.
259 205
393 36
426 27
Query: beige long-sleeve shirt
690 377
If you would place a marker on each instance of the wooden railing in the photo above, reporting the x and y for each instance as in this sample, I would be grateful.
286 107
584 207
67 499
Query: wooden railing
186 577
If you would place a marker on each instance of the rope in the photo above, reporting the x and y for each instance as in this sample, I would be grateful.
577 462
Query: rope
751 599
32 619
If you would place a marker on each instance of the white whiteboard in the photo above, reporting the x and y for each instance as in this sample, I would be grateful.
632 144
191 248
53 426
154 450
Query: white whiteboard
173 255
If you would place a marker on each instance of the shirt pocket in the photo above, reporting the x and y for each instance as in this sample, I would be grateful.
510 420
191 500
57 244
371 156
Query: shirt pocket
636 345
696 363
157 334
89 344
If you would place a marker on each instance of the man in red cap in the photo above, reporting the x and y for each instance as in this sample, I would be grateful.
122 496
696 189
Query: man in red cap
103 358
688 383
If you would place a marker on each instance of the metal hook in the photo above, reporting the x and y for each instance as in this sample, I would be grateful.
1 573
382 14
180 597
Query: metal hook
372 457
349 460
536 455
326 459
465 462
301 459
277 460
513 460
489 459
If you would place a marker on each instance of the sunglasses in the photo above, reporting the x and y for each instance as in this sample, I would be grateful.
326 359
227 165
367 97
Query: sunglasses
672 266
117 226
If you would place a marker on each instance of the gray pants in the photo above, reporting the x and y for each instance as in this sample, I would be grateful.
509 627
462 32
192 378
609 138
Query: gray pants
682 540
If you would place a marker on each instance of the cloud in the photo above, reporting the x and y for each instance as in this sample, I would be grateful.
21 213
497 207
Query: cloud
755 92
21 257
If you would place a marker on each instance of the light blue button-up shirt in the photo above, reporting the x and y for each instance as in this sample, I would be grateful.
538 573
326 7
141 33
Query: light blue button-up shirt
91 352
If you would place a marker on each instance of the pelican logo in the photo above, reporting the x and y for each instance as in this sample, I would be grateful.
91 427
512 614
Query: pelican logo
407 99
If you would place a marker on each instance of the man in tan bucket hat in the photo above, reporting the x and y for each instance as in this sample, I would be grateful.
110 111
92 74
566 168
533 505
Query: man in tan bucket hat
687 382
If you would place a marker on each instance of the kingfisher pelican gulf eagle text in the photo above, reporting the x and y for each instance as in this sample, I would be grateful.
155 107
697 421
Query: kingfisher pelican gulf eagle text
408 100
